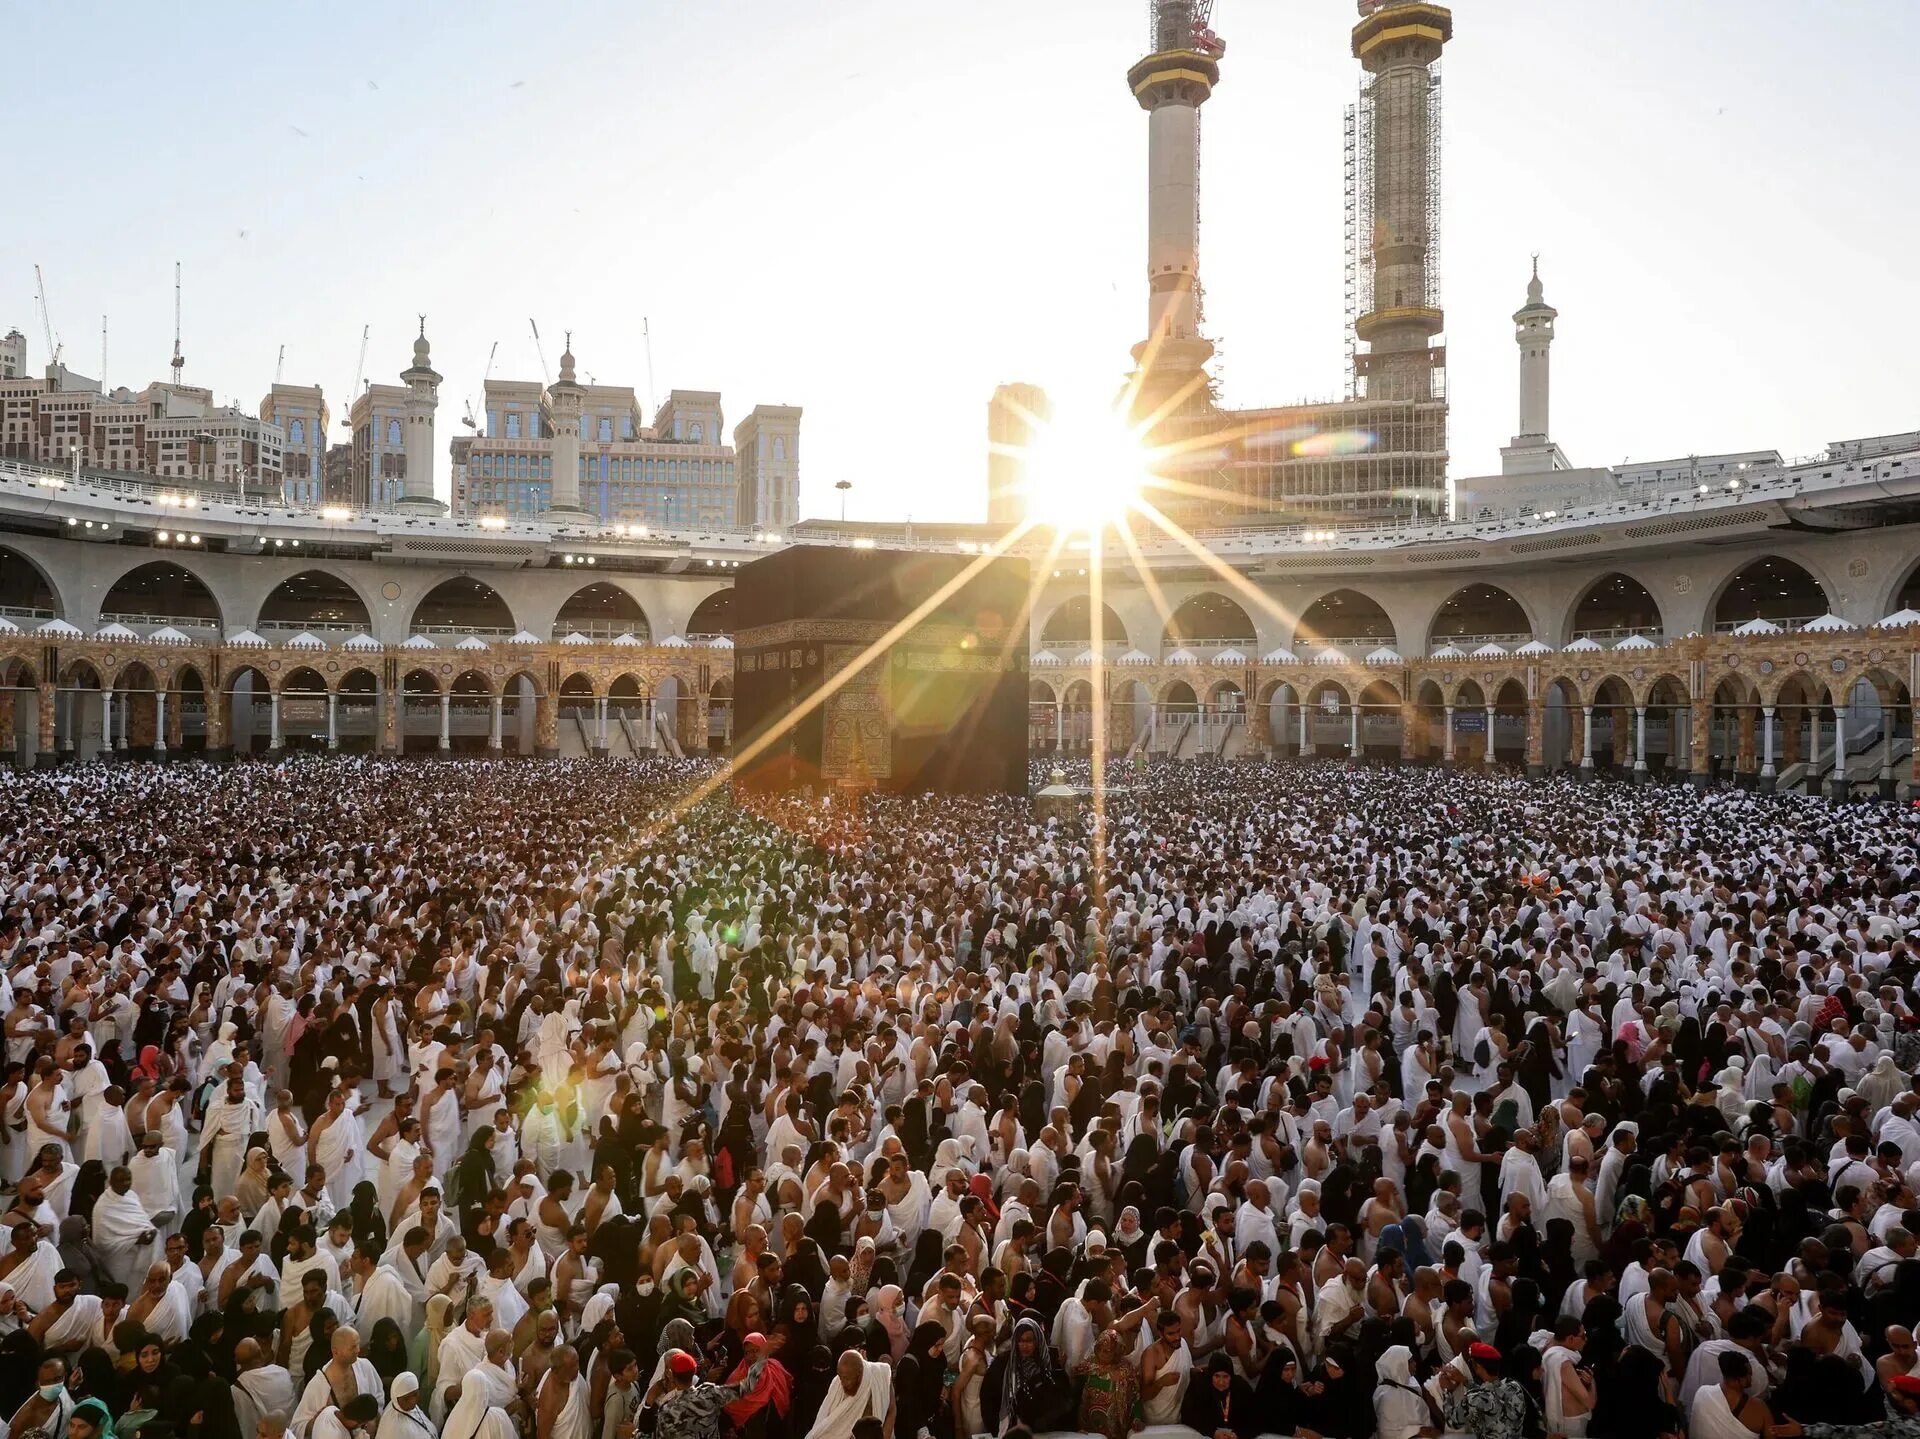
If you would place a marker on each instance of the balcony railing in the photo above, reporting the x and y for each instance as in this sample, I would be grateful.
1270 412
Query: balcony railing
603 629
145 624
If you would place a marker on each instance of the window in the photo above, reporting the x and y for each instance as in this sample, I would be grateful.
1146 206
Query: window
694 433
626 427
393 432
606 430
298 434
513 425
779 447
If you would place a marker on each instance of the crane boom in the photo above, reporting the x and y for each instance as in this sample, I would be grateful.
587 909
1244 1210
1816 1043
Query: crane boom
472 421
359 369
280 364
179 361
540 350
46 316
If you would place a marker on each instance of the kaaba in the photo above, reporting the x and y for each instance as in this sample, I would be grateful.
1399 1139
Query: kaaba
939 707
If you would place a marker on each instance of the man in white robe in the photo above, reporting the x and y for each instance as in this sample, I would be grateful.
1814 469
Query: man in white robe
162 1307
106 1138
259 1388
397 1168
485 1391
861 1390
29 1267
384 1295
156 1182
229 1124
123 1231
561 1406
464 1348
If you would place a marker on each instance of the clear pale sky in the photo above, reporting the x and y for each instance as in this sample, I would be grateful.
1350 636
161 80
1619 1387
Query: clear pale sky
879 210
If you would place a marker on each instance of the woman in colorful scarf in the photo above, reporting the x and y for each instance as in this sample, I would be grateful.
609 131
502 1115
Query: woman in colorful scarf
1112 1391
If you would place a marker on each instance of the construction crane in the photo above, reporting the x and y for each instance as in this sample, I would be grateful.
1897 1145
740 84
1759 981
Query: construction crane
1184 25
646 333
541 351
46 316
359 369
179 360
472 422
280 364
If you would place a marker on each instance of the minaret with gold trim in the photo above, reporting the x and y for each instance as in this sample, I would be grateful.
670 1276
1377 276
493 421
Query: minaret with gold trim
1171 85
1397 42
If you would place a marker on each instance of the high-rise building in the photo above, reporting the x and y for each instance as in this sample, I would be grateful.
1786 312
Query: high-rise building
300 412
766 447
378 419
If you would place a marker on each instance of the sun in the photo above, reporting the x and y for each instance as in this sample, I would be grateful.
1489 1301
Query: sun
1084 469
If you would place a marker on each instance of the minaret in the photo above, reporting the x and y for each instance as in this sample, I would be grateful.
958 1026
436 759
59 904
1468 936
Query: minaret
1533 332
1397 43
423 396
1532 450
1171 85
564 399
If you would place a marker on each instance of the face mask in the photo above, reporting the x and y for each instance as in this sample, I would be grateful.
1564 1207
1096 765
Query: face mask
645 1287
50 1392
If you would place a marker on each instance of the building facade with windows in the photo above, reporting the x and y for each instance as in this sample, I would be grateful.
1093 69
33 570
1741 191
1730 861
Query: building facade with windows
165 432
766 447
300 412
673 473
378 420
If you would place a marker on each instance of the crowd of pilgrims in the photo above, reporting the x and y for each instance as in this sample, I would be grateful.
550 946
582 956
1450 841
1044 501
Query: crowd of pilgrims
570 1100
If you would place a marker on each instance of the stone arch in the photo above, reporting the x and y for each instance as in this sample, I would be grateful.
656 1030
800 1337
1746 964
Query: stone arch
161 591
463 604
472 682
316 599
1668 703
1769 587
1476 613
1905 594
1276 714
1043 729
1129 714
304 707
1345 614
1071 624
1560 722
26 585
1209 618
1178 697
1612 606
627 686
578 685
417 710
357 709
188 721
713 615
603 610
1508 737
245 701
1610 697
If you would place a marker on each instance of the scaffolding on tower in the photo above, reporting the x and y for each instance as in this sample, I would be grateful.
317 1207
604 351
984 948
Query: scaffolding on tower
1433 188
1359 229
